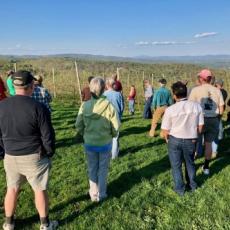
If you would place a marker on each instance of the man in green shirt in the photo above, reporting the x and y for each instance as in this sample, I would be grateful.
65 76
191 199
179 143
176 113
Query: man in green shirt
161 100
9 83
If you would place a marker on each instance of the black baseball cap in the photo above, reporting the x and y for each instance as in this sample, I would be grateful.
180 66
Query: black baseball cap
163 81
22 78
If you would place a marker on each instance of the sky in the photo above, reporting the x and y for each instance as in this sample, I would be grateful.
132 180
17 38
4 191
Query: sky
126 28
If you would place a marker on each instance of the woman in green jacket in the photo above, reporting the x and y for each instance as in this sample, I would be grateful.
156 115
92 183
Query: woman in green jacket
98 123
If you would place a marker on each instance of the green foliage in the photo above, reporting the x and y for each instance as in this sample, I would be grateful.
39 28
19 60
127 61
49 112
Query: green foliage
139 185
65 83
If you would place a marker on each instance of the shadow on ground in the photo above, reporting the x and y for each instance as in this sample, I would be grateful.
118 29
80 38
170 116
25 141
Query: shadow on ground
134 130
127 180
135 149
67 142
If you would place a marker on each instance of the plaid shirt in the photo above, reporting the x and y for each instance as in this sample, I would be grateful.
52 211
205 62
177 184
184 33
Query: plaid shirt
42 95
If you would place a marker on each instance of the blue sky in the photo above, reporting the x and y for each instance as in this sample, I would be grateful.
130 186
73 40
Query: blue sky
115 27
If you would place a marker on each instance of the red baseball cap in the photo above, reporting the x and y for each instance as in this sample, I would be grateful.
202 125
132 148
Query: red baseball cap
205 74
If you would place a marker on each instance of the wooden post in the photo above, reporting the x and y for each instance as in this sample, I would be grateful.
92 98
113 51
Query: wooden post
139 94
143 75
152 79
15 67
78 81
104 73
72 77
54 84
118 74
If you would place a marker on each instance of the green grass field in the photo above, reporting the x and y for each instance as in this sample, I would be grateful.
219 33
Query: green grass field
139 187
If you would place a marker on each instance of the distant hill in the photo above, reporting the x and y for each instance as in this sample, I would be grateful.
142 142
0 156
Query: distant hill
218 61
213 60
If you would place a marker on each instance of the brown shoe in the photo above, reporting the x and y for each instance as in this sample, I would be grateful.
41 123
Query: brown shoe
152 133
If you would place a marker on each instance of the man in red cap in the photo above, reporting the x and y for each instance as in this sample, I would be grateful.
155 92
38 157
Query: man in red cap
212 103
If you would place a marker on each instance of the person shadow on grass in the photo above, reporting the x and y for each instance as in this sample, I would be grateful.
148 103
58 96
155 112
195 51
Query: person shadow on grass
127 180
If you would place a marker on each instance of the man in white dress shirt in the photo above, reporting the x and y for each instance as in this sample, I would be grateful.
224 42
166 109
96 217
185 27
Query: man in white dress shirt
180 127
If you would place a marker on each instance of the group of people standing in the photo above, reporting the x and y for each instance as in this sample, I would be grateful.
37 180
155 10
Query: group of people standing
40 93
190 118
27 138
191 122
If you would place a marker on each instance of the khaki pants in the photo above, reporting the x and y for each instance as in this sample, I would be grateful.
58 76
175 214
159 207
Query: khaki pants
158 114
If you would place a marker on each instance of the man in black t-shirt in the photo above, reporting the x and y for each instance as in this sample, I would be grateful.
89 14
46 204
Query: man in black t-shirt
27 136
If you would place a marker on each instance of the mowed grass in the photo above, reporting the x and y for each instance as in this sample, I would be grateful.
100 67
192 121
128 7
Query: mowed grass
139 185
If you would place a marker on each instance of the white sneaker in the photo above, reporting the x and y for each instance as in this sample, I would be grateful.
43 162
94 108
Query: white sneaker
94 198
152 133
52 225
8 226
206 171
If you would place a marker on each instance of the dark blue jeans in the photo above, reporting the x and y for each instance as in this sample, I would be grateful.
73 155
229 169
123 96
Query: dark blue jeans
147 109
182 150
199 145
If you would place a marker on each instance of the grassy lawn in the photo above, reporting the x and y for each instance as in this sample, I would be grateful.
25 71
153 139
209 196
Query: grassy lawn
140 185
